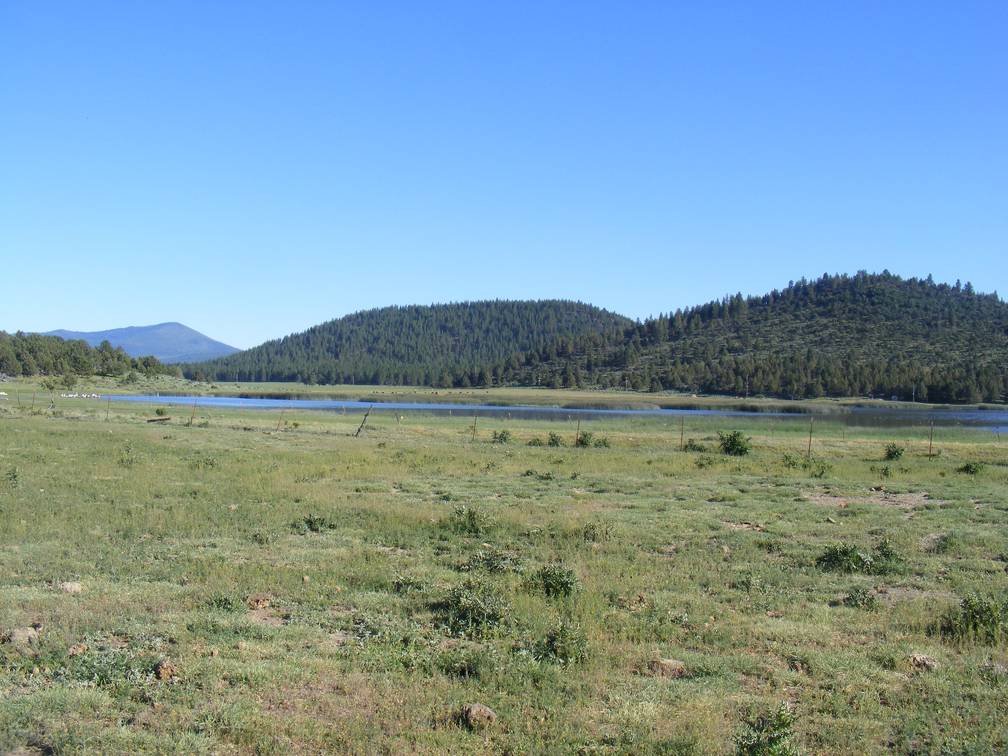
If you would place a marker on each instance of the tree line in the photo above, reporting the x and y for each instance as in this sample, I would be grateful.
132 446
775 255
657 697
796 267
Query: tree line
31 354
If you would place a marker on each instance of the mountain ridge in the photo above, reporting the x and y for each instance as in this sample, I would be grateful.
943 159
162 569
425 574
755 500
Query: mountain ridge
170 342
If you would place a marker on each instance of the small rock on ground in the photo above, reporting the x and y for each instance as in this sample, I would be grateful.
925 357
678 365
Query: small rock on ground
165 670
23 636
478 716
922 662
258 601
667 668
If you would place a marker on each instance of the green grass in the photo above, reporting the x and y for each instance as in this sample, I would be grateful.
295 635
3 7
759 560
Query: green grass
404 574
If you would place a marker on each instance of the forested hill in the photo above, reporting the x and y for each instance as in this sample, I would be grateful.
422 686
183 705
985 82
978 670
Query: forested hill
467 343
862 335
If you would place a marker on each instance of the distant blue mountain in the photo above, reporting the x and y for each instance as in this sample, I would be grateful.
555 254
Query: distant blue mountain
169 342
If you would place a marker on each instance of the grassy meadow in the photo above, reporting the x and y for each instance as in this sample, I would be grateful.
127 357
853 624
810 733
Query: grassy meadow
267 582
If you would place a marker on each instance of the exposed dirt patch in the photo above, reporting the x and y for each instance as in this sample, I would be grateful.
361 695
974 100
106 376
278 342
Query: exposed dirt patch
908 502
891 595
266 617
752 526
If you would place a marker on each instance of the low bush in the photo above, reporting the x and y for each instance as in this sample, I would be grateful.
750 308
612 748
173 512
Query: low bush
225 602
977 619
893 452
847 558
564 643
472 607
554 580
468 520
536 441
312 524
971 468
464 662
502 437
404 584
815 467
555 439
735 443
860 598
694 446
597 532
491 559
767 734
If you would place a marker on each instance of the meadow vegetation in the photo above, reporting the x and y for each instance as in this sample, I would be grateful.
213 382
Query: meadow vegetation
249 582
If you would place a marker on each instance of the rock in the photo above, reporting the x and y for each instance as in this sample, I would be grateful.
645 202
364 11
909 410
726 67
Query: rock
667 668
72 587
258 601
24 636
77 649
165 670
339 638
922 662
305 579
477 716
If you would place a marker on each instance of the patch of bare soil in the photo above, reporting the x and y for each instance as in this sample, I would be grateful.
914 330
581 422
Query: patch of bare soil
266 616
909 502
752 526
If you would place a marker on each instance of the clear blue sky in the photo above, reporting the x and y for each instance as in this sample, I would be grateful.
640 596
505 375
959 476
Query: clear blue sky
254 168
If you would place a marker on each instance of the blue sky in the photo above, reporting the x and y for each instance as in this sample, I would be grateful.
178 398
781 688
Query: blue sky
253 168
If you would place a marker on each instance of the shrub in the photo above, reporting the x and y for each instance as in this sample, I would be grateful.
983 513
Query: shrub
492 559
976 619
13 477
535 441
502 437
555 580
565 643
225 602
734 443
555 439
203 462
860 598
468 520
816 467
464 662
406 584
586 440
847 558
472 607
128 456
312 524
767 734
971 468
893 452
694 446
601 442
596 532
161 412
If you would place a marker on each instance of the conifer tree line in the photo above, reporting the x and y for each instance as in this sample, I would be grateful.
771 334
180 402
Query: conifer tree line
840 335
30 354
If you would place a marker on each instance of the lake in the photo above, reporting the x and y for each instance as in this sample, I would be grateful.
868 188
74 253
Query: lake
991 420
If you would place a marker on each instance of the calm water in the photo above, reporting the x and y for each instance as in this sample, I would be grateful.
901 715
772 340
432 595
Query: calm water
995 421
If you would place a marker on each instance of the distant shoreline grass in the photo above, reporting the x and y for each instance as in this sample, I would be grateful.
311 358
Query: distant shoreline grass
571 399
